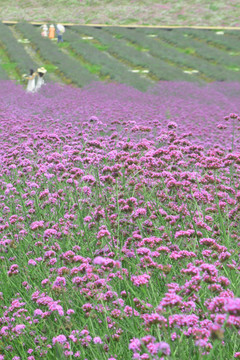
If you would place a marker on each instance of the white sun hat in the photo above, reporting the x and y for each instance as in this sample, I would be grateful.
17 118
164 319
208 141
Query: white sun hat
42 70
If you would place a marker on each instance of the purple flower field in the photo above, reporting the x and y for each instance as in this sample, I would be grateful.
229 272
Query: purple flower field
119 222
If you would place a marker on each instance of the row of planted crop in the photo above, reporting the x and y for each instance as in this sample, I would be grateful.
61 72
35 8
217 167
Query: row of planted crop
211 71
228 42
15 51
182 40
3 74
72 68
119 48
155 61
68 67
108 65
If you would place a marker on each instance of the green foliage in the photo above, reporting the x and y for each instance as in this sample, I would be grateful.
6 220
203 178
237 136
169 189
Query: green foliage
159 69
69 67
16 51
109 66
163 50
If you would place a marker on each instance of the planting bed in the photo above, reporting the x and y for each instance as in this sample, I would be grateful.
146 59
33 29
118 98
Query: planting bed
136 57
229 42
109 66
184 42
15 51
3 74
67 66
158 68
119 222
213 72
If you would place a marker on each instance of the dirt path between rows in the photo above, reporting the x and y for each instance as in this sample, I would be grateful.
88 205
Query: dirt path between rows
35 57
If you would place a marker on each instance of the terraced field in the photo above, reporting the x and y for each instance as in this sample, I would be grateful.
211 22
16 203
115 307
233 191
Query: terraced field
136 57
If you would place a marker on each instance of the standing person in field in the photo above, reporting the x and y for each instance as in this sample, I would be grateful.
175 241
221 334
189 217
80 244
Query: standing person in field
31 81
44 32
51 33
60 31
40 81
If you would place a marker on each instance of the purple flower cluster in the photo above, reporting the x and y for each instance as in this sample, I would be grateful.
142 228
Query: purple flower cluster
119 222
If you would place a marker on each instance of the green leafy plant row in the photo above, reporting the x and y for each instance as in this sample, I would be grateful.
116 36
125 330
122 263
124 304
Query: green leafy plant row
228 42
67 66
213 72
15 50
118 47
180 39
3 74
233 33
109 66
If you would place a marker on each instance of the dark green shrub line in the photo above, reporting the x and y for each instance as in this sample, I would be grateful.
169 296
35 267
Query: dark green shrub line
218 71
16 51
70 68
9 68
180 39
105 42
40 62
3 59
92 68
235 33
159 54
109 66
215 72
118 47
229 42
3 74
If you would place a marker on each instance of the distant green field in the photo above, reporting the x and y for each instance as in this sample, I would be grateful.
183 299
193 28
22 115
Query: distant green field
136 57
146 12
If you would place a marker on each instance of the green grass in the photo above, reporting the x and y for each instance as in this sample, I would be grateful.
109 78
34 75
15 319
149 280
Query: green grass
96 44
136 46
92 68
118 36
233 68
9 66
50 68
233 53
63 45
100 46
189 51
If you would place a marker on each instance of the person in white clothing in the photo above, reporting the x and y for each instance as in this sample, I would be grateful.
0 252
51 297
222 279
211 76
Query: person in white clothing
31 81
44 32
40 81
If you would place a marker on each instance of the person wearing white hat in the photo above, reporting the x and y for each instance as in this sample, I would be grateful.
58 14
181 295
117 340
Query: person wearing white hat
40 81
31 80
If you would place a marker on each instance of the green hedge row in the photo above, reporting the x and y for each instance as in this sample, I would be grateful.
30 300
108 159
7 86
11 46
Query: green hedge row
210 36
178 38
118 47
109 66
49 51
214 72
3 74
232 33
16 51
